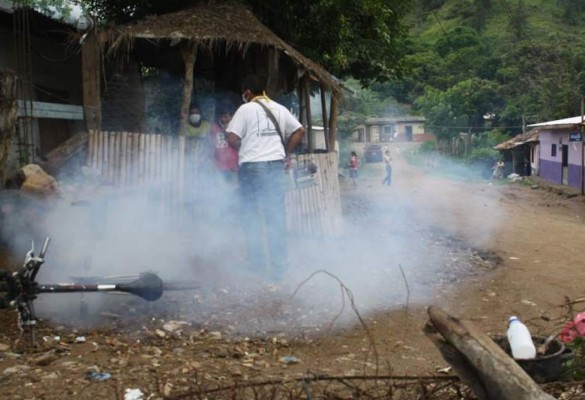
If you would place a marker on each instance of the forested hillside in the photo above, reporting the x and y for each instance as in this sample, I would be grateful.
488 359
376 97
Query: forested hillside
507 60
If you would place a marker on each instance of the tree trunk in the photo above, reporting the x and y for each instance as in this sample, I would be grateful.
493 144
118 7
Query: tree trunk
8 118
479 361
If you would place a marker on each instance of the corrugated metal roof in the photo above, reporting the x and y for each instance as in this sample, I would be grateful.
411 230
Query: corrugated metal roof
518 140
558 123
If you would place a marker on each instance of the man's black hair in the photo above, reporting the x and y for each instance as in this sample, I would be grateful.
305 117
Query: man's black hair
253 83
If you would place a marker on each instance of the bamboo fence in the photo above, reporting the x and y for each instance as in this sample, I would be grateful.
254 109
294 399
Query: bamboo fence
179 172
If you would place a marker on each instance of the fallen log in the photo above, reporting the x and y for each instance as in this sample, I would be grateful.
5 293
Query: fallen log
479 361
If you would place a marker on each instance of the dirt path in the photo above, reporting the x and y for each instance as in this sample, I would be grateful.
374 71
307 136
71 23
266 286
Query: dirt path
536 232
479 251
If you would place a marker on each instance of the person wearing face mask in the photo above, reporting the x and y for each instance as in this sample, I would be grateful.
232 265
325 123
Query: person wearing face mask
197 126
266 135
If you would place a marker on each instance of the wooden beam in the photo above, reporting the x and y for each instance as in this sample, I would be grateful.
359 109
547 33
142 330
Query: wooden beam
90 72
61 154
325 119
308 110
333 122
8 118
189 52
301 104
479 361
273 72
41 109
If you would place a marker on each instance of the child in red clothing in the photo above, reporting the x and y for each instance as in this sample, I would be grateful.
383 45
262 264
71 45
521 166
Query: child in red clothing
225 157
353 168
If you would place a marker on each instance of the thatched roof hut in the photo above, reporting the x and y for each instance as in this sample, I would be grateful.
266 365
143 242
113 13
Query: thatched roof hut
214 31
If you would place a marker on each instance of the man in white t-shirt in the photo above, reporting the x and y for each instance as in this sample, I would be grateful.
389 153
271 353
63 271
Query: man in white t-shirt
263 156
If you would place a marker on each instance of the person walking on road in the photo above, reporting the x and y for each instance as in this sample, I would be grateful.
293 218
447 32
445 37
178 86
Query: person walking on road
388 167
353 168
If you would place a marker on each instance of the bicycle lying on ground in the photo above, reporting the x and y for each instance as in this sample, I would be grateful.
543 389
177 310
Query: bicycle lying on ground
19 289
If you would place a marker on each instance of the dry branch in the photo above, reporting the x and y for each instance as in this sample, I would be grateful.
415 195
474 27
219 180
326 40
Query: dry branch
345 290
315 378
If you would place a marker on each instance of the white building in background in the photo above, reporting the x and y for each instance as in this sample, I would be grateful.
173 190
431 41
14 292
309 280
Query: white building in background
399 129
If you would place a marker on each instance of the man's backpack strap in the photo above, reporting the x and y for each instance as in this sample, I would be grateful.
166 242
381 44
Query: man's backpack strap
274 121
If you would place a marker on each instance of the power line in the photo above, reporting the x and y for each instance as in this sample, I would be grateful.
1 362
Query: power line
472 127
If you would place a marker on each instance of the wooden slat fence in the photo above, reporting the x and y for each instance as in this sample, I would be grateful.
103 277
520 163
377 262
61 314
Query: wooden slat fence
179 172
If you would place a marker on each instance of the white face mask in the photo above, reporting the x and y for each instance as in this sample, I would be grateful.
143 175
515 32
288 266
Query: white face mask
244 99
195 118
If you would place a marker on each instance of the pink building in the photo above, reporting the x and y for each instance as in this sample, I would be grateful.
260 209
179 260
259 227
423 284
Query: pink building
561 155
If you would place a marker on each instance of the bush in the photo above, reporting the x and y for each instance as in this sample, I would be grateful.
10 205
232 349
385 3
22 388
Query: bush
428 147
483 154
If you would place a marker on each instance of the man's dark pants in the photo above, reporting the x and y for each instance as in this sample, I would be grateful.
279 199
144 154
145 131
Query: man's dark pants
262 191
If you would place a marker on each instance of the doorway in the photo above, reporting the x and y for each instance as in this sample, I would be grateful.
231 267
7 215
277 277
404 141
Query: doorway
408 133
565 164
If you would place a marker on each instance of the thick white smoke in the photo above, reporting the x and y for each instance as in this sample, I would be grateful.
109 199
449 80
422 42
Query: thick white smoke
394 245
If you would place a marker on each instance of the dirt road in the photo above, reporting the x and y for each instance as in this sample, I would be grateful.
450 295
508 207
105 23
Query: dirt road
479 251
533 233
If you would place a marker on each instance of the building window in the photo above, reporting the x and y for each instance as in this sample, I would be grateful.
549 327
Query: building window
553 150
387 133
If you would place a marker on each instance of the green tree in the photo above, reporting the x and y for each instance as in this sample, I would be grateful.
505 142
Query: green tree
518 20
441 117
480 14
50 7
461 108
573 10
363 104
544 78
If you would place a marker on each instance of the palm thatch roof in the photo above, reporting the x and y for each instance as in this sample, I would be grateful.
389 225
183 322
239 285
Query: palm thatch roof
232 25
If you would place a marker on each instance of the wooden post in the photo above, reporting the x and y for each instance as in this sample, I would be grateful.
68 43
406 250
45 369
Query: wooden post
311 139
188 51
301 104
90 72
324 115
333 123
273 72
8 118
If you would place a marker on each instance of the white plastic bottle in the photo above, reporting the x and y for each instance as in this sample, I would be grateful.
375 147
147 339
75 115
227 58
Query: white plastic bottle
520 340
